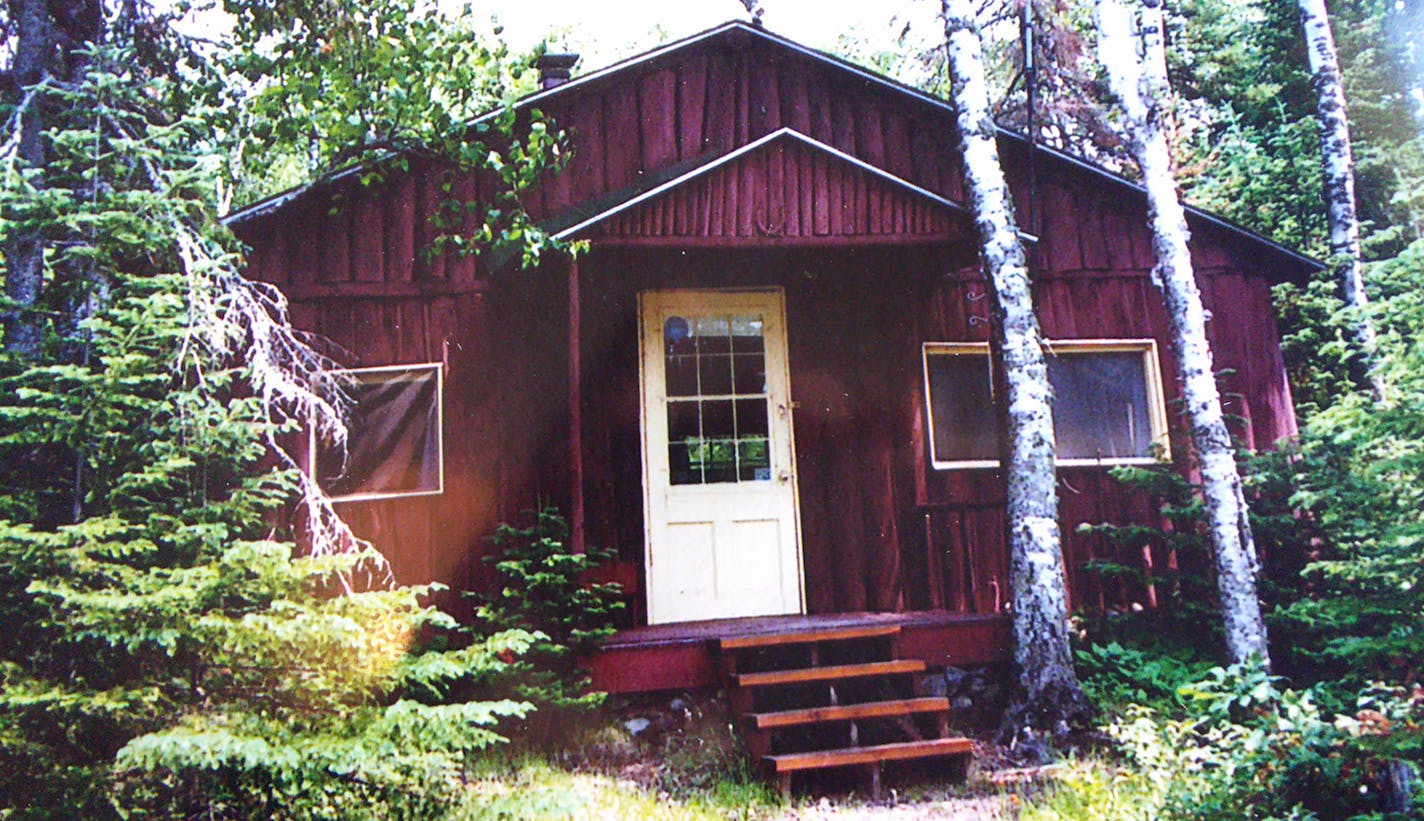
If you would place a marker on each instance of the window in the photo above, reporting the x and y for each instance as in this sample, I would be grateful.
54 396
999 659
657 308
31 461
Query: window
964 428
715 375
1107 403
393 442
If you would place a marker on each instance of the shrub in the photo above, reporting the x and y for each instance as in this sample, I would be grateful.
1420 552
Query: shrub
1245 748
545 588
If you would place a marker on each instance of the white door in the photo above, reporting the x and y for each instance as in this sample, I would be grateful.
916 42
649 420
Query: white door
718 459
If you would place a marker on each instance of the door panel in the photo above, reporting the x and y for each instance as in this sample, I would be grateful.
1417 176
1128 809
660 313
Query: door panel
719 466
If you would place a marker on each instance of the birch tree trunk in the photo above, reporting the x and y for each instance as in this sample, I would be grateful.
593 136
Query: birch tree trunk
24 249
1338 164
1141 86
1049 696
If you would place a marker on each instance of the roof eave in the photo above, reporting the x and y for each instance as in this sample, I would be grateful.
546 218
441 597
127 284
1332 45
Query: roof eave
1303 263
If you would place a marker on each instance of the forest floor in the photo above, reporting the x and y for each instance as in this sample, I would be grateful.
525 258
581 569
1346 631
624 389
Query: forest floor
679 757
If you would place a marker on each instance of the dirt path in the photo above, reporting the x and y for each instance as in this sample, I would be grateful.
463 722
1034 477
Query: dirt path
950 807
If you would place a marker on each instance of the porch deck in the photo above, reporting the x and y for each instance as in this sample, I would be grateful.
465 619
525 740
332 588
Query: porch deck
684 656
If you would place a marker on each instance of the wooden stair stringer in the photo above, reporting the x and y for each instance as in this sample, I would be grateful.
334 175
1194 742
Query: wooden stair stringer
769 731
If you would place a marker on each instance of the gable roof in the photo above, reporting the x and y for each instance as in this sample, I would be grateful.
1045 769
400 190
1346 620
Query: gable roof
791 146
737 34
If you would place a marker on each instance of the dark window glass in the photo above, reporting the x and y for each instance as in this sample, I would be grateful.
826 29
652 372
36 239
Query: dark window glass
716 374
393 436
682 376
717 419
680 462
750 373
962 407
1100 408
753 461
684 422
716 387
751 417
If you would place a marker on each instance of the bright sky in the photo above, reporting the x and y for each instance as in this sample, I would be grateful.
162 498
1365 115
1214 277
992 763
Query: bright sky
605 30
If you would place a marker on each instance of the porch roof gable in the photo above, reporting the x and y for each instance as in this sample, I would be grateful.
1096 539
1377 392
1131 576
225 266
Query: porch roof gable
793 187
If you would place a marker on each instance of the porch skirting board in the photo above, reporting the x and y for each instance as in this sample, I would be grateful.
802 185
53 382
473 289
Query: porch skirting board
684 656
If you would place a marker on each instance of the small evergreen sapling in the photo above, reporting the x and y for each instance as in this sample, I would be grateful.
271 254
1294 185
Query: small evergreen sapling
545 587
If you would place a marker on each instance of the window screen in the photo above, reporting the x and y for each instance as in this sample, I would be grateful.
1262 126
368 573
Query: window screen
393 444
1107 402
961 401
1100 405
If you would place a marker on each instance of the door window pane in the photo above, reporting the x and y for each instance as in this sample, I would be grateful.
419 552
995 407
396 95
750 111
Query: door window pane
681 375
714 334
751 417
753 460
681 466
749 373
718 421
719 460
684 422
716 374
717 403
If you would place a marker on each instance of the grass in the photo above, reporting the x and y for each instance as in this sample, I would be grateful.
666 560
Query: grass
530 787
689 763
1090 790
683 763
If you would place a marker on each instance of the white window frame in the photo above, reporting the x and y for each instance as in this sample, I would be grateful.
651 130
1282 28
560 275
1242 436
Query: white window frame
1152 373
980 349
439 368
1156 397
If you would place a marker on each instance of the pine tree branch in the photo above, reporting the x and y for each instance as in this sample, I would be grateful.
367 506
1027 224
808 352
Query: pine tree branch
236 318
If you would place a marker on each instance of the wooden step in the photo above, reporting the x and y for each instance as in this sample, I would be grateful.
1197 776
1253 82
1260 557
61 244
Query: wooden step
868 631
849 712
901 751
830 673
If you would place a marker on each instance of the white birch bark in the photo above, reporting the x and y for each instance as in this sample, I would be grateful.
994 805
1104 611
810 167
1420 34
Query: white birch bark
1338 164
1051 696
1141 86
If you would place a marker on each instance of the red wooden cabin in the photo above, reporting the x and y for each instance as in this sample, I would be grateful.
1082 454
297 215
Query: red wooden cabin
766 383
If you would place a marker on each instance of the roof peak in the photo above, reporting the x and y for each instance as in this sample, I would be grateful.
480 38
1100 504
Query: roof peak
752 33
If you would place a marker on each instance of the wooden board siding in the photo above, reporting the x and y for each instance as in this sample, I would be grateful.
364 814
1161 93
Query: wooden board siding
761 196
881 529
712 100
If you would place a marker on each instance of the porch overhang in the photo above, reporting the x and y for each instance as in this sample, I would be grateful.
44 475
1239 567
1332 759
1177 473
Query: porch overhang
783 190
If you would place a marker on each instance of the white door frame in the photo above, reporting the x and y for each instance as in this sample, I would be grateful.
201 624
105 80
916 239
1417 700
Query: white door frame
665 502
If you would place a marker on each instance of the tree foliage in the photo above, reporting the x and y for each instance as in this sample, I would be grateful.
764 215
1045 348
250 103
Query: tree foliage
171 652
374 87
543 585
